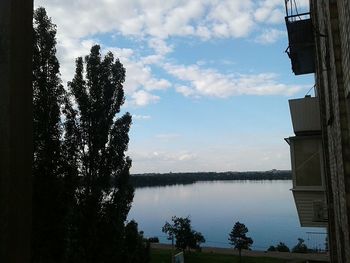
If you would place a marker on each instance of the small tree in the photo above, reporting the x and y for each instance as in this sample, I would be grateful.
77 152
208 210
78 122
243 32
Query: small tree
238 238
137 247
271 248
181 230
300 247
281 247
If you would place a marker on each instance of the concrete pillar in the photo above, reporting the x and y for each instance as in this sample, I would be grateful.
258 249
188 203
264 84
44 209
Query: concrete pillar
15 129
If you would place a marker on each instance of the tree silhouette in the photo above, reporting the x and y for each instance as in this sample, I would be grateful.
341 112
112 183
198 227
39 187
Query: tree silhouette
81 189
181 230
101 138
300 247
281 247
49 208
238 238
271 248
137 251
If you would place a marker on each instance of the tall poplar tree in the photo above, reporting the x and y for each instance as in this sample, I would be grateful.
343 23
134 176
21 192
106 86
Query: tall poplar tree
104 194
48 227
81 189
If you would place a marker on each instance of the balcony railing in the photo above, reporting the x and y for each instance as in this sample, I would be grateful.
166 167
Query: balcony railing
301 48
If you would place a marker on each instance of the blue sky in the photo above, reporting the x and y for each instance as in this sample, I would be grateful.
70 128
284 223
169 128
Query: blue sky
207 81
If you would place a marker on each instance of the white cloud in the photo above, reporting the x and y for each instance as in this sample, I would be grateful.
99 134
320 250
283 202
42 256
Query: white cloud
180 17
270 11
141 117
160 46
231 18
152 59
160 158
303 4
139 76
203 32
143 98
208 82
153 22
68 49
162 19
270 35
187 157
185 90
167 136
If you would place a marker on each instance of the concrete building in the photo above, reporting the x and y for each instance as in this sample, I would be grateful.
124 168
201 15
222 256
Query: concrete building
330 62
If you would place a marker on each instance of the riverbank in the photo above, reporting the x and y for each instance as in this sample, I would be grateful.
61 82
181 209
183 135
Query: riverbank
285 256
167 179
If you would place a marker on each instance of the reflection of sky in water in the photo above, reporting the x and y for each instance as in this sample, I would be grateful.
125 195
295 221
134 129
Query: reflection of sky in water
266 207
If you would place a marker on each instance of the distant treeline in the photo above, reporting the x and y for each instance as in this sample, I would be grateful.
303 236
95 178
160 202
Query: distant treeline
156 179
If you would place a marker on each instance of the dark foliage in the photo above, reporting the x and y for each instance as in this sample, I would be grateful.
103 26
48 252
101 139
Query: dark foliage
153 240
149 180
238 237
81 182
49 194
271 248
300 247
181 230
138 248
100 139
281 247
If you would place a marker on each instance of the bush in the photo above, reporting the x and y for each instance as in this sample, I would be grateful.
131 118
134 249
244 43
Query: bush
300 247
281 247
271 248
137 248
153 240
183 233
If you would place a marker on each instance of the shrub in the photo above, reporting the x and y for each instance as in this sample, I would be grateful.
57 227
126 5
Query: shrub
271 248
153 240
281 247
300 247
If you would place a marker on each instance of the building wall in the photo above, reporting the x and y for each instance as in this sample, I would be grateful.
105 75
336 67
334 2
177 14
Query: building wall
16 120
332 34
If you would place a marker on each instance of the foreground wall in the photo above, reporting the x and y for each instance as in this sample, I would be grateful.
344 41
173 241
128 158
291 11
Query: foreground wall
332 33
15 129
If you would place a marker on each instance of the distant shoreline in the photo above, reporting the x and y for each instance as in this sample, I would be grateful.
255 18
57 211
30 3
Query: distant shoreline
320 257
167 179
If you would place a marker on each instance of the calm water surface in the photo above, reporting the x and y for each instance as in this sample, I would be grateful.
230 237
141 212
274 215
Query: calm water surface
266 207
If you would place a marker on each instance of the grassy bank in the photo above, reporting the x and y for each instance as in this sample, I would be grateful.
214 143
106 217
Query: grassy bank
164 256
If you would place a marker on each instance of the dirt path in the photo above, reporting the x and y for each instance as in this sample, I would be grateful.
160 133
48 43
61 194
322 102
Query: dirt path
250 253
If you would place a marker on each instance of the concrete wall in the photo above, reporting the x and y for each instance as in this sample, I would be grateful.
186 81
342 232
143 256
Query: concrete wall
331 23
15 129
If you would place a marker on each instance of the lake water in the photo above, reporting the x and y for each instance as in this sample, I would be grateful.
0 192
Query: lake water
266 207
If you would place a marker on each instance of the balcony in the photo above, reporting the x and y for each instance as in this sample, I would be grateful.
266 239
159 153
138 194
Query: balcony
308 185
305 114
311 207
301 48
307 162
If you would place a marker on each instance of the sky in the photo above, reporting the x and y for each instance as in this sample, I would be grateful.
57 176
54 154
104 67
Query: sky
207 81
